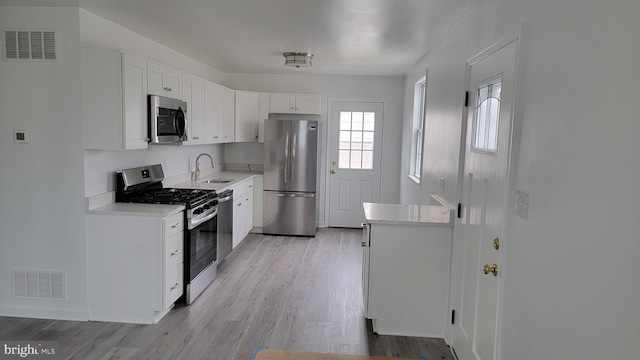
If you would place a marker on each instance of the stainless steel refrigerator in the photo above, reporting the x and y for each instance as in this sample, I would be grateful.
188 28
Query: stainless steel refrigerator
290 167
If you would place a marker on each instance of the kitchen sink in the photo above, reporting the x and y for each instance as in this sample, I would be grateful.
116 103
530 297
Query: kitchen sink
217 181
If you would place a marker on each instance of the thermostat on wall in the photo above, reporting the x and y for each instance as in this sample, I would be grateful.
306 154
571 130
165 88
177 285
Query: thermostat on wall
22 136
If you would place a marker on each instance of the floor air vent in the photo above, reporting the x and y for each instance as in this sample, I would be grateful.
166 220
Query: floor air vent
39 284
30 45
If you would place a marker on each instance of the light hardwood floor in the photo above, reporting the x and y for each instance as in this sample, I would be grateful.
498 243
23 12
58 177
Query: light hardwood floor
289 293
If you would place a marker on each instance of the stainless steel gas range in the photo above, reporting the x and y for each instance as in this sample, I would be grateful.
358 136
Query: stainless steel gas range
144 185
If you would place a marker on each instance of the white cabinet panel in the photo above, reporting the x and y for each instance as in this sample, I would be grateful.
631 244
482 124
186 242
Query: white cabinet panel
114 100
246 121
412 260
164 81
193 94
135 266
242 210
296 103
213 113
229 109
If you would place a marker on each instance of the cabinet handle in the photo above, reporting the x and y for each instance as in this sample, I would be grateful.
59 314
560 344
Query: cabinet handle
169 89
175 286
175 252
239 204
175 226
250 185
215 137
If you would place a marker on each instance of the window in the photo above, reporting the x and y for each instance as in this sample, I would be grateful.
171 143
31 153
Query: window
487 114
356 140
417 135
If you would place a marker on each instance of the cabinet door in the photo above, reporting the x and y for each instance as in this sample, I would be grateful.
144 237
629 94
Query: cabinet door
229 109
213 112
173 83
237 221
263 114
308 104
134 102
246 116
193 94
247 212
164 81
156 79
283 103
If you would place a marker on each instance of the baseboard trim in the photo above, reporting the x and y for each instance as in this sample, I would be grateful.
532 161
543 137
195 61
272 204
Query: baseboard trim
34 312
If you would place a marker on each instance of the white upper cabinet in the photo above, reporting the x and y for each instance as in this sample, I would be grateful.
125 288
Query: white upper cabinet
296 103
164 81
114 100
193 94
213 113
229 115
246 116
263 114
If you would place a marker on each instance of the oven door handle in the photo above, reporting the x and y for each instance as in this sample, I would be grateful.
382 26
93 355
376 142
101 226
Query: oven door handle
194 224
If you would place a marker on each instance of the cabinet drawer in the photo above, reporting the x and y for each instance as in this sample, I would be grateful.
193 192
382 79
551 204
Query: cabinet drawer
243 188
173 225
173 252
173 284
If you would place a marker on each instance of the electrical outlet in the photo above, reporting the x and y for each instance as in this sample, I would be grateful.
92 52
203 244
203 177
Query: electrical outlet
102 177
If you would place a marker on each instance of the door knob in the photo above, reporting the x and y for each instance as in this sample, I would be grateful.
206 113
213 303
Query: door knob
490 269
333 171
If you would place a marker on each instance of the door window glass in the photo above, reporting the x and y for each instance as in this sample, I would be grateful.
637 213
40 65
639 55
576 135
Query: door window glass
487 114
355 147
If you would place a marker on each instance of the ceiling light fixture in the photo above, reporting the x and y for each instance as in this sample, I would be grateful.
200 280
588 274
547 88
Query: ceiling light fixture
298 59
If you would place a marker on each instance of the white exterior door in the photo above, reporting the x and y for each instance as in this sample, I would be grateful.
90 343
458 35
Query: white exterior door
354 169
486 183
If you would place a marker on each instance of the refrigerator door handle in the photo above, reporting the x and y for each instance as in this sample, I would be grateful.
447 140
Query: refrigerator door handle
294 195
293 156
286 157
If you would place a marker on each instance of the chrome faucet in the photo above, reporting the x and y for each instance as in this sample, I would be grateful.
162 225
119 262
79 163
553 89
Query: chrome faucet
196 174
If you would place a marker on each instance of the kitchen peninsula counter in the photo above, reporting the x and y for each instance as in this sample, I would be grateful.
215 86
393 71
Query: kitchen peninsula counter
405 268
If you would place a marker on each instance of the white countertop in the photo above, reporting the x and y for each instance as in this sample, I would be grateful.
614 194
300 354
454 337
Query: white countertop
128 209
235 177
408 214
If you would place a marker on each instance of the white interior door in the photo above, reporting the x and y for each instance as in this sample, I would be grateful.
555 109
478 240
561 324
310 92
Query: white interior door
489 145
354 169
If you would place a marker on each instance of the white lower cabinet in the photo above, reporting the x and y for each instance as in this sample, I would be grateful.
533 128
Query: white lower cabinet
242 210
405 278
135 266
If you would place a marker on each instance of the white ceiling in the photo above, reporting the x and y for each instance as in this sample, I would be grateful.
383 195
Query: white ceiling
367 37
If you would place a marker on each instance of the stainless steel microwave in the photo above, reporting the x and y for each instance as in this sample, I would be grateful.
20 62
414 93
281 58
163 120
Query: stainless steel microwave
167 120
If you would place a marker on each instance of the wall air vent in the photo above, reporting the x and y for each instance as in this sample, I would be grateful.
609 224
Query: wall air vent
30 45
39 284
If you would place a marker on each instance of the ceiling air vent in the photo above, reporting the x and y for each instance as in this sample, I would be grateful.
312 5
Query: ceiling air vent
30 45
39 284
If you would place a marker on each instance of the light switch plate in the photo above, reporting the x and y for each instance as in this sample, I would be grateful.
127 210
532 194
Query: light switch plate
22 136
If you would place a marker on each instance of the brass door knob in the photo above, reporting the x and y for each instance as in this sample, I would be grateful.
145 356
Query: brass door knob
490 269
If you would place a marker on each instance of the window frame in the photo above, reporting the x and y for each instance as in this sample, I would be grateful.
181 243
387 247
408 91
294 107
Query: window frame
417 129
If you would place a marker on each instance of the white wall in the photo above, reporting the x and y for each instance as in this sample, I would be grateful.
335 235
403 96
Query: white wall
42 183
571 283
389 88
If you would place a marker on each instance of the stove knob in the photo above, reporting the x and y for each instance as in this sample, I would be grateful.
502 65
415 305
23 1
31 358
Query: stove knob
198 211
207 207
